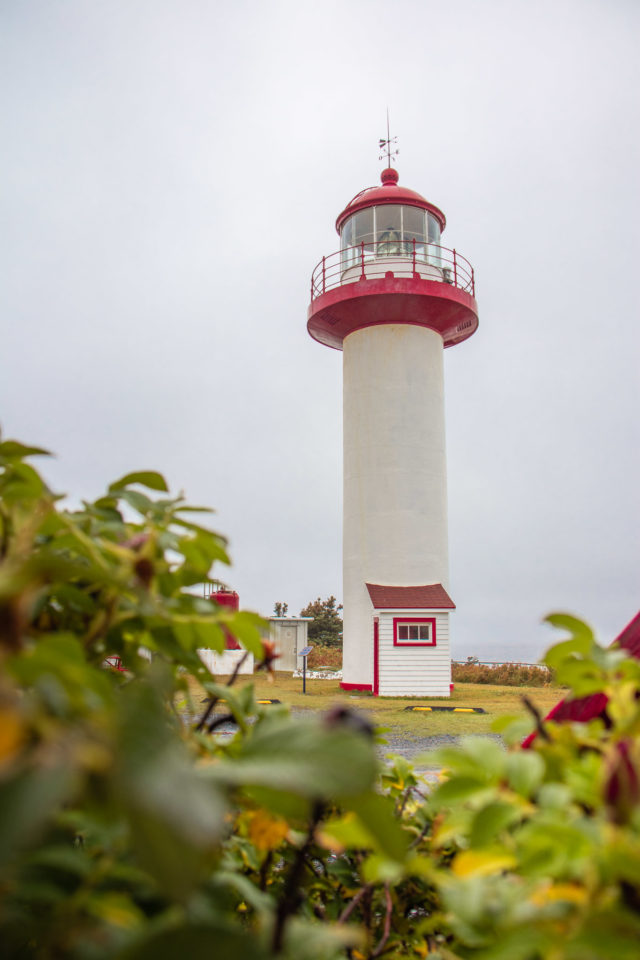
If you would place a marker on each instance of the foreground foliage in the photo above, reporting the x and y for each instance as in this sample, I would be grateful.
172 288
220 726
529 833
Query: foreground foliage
130 829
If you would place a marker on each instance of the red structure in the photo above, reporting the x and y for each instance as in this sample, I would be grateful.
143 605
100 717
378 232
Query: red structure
230 599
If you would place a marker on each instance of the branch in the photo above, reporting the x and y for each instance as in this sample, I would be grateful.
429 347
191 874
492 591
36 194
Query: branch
236 669
232 679
5 531
264 869
420 837
353 903
101 622
387 924
291 892
535 713
218 721
403 801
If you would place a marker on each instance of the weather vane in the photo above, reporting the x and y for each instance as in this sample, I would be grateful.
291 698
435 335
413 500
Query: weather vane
385 145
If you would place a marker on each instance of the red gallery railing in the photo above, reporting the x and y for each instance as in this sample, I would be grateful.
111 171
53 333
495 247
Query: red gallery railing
403 258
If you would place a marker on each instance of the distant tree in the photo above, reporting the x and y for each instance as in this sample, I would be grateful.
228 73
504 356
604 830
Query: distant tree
280 609
326 627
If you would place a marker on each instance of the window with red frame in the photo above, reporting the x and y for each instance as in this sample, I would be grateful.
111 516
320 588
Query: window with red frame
414 632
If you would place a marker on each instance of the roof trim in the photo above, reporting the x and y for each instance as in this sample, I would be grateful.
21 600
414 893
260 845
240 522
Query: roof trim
428 596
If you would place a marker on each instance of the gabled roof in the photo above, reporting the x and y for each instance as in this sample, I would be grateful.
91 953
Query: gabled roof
429 596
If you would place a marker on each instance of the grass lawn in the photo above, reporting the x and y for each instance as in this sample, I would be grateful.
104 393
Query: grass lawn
389 712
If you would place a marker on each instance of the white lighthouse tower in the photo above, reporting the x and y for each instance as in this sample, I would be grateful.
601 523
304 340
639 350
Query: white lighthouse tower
392 298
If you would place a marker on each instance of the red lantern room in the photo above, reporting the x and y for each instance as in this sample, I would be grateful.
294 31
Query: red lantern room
392 268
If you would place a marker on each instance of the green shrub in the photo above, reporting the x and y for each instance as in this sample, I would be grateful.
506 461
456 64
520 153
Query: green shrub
129 830
322 656
502 674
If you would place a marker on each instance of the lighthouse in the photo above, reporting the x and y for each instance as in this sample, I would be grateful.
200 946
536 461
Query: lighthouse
391 299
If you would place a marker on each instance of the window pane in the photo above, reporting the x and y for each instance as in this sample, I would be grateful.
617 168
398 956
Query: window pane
363 226
434 229
425 632
389 230
347 233
413 223
433 256
413 632
403 632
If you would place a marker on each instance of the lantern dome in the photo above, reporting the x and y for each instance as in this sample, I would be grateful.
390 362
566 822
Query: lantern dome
390 192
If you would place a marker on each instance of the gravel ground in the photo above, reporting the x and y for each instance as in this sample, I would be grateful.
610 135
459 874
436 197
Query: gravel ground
412 748
409 747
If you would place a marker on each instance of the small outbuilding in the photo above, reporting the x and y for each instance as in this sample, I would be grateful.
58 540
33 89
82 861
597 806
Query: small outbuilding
411 654
290 636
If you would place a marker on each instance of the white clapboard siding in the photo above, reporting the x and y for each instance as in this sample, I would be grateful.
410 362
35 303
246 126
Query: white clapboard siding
225 663
413 671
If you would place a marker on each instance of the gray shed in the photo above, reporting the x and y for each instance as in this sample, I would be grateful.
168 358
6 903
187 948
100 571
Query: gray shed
290 636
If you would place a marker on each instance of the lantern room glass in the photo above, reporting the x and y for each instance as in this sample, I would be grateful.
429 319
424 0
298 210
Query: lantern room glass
390 230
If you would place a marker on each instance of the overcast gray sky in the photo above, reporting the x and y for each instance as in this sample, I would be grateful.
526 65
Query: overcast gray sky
171 173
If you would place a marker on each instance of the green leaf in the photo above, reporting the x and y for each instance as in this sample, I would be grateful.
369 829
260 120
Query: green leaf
176 814
27 802
524 771
349 832
584 677
138 501
146 478
483 863
376 812
302 756
21 483
11 450
490 821
554 796
201 550
72 860
580 644
285 804
198 942
513 728
248 629
479 758
209 635
70 596
456 790
224 879
185 633
380 869
308 940
523 943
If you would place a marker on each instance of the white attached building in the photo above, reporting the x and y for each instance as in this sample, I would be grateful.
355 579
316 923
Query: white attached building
410 640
